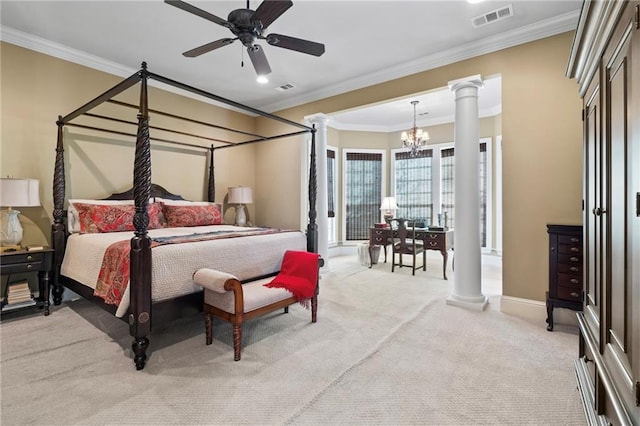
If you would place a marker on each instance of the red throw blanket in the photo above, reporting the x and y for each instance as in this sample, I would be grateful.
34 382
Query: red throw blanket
115 270
298 274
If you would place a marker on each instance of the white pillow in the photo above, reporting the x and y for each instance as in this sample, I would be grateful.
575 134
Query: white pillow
73 220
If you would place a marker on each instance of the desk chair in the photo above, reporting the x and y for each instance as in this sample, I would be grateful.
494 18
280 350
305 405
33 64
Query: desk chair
404 242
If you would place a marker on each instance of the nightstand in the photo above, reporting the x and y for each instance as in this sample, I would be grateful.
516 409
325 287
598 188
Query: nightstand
23 261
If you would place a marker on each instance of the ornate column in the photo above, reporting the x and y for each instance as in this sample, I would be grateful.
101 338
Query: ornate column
467 285
322 202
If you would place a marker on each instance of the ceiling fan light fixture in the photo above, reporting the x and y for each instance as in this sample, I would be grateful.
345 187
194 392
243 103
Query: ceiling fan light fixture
262 79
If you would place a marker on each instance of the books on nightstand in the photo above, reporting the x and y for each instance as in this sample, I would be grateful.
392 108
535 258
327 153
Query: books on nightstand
19 292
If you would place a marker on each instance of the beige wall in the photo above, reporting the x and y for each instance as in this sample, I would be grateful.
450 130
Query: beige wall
541 146
36 88
540 124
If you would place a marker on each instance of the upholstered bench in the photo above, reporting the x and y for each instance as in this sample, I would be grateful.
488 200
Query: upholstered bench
231 300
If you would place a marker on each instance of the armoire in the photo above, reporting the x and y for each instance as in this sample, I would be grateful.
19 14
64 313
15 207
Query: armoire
605 61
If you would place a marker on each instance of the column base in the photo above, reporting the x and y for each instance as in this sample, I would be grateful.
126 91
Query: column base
473 303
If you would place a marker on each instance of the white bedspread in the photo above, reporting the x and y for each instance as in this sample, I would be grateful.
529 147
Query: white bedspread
173 265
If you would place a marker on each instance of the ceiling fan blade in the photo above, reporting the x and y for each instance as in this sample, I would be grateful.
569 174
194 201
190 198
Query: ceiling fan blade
208 47
259 60
199 12
297 44
269 11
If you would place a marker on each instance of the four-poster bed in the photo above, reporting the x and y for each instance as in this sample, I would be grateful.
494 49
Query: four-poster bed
140 290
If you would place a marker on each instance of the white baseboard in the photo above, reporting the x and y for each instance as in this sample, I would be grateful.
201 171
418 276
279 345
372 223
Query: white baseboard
536 311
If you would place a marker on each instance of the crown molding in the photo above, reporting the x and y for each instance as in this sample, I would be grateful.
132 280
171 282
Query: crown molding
542 29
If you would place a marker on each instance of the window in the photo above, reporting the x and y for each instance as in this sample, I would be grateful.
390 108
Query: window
363 186
424 186
413 184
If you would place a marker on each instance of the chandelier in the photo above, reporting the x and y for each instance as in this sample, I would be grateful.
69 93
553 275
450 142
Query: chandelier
415 139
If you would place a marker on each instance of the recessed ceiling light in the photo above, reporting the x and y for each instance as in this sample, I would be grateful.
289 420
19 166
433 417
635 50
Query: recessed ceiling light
262 79
474 1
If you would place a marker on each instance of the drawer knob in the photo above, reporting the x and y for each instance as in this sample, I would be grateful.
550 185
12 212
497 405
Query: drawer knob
433 236
29 266
574 240
29 258
574 281
574 294
574 269
573 259
575 249
433 243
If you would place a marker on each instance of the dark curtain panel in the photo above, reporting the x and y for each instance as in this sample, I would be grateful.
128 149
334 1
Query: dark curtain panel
331 164
447 186
413 183
363 173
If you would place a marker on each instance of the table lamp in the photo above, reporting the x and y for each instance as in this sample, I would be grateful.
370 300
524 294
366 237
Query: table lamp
240 195
389 205
16 192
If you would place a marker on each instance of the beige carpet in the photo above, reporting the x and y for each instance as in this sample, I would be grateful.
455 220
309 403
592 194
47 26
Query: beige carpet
386 350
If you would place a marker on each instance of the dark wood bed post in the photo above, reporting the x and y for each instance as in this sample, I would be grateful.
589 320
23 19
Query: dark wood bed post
58 232
312 227
140 267
211 189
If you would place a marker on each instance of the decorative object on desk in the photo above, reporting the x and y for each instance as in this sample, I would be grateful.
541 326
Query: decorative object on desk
381 225
415 139
389 206
16 192
34 248
446 220
240 195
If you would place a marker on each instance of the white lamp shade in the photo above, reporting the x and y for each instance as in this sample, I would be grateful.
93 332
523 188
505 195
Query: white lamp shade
16 192
389 203
240 195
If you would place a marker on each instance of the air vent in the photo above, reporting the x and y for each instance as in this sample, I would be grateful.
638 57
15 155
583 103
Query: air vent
493 16
285 87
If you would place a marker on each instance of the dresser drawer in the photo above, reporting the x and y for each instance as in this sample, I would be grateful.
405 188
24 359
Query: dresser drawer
570 280
569 293
570 259
570 248
569 239
570 268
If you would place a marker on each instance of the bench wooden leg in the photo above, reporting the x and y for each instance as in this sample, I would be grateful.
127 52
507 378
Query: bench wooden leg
286 309
314 308
208 326
237 341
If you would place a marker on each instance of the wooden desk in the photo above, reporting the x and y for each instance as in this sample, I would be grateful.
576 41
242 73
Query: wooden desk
441 241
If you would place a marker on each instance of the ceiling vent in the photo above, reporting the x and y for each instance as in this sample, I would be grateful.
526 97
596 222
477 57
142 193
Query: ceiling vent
493 16
285 87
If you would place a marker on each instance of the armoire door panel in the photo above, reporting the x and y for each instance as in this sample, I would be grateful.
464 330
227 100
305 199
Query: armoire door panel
618 319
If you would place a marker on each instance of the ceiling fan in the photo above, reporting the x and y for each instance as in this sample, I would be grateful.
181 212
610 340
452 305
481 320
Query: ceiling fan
248 26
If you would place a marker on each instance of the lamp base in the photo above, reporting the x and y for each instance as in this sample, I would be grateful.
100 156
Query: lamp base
241 216
11 230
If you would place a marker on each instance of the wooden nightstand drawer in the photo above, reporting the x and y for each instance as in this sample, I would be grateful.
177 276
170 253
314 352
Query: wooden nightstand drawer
16 268
22 258
569 239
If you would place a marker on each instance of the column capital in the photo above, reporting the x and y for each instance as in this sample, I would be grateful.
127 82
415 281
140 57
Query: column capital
320 119
470 81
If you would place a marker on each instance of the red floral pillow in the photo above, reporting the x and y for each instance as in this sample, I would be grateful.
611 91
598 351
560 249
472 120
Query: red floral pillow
95 218
185 215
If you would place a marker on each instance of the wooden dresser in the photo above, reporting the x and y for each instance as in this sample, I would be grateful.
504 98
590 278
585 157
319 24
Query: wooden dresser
565 269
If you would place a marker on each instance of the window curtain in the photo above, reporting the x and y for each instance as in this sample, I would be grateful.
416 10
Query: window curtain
413 183
447 186
331 167
363 174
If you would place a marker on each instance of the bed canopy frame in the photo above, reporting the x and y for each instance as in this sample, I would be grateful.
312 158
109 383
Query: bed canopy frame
139 315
